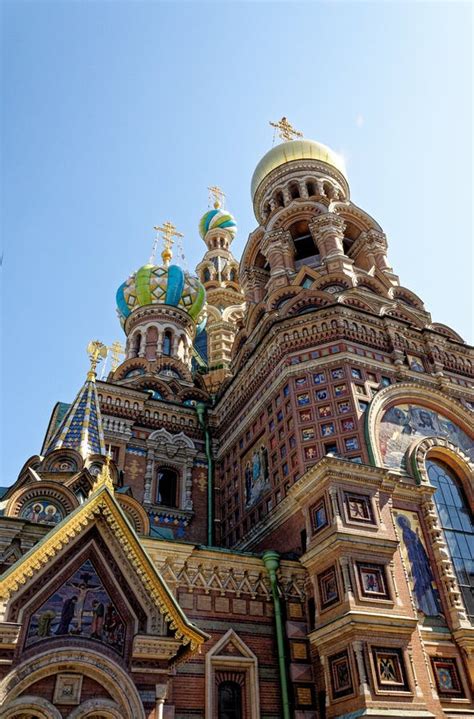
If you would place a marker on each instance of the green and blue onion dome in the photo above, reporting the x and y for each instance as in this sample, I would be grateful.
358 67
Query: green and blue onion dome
162 285
217 219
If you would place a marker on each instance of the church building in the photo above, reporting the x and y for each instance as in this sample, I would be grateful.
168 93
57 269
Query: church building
263 509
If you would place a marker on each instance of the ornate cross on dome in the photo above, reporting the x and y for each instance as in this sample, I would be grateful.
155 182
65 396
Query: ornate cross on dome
285 130
168 233
116 349
218 195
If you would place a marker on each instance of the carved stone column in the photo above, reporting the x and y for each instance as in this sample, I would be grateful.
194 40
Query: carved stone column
346 577
328 233
359 655
254 281
457 612
148 477
277 246
336 514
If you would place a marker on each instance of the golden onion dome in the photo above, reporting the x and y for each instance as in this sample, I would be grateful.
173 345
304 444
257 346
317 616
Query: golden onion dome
295 150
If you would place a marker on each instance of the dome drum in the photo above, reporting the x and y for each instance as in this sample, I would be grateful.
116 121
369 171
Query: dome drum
298 181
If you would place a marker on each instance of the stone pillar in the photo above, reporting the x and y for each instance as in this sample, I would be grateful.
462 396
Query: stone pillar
277 246
254 281
328 233
161 691
148 477
359 655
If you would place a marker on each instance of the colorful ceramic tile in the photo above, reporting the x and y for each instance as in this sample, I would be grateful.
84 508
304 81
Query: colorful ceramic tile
372 581
358 508
446 673
319 517
389 669
328 588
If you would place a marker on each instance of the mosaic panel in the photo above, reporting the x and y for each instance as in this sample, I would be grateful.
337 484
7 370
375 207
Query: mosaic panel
403 424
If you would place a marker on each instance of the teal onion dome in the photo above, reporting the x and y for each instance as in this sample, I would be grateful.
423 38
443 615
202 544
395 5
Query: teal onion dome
217 219
161 285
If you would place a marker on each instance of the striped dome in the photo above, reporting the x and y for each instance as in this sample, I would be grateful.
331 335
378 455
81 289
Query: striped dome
217 218
159 285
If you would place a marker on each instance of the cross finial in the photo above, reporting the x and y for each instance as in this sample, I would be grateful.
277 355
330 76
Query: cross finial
97 352
168 233
116 349
218 195
285 130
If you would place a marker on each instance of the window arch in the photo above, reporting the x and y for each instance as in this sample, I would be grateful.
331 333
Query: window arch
206 275
457 523
167 343
167 489
229 700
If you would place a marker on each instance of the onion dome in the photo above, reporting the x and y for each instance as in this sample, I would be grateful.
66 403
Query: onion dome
217 219
291 151
161 285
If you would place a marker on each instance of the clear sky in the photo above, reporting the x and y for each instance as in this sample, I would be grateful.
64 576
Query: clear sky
118 115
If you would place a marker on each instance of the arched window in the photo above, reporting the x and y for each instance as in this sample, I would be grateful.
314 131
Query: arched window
456 520
167 343
230 700
305 246
232 275
206 275
167 493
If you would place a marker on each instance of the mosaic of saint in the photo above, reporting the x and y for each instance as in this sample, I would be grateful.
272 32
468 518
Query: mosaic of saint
81 607
413 549
42 511
402 424
257 480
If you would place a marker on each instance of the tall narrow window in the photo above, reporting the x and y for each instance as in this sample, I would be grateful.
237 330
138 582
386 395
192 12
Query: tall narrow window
458 526
167 487
167 343
230 700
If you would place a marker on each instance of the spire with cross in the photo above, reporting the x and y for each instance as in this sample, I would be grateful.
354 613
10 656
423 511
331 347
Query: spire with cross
168 233
218 195
285 130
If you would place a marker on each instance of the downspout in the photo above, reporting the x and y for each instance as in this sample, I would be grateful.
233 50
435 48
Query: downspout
271 560
202 419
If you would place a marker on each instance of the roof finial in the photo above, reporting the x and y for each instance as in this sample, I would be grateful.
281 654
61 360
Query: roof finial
218 195
104 478
285 130
168 233
97 352
116 349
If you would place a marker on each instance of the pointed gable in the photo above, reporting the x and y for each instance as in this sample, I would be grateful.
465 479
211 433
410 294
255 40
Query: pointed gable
95 551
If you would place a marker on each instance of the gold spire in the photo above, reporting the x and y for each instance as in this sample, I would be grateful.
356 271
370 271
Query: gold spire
168 233
218 195
97 352
104 478
285 130
116 349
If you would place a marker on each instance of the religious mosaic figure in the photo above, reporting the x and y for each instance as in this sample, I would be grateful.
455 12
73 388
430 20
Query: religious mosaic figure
81 606
425 594
402 424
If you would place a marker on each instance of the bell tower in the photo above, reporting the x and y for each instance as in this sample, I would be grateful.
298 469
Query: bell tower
219 273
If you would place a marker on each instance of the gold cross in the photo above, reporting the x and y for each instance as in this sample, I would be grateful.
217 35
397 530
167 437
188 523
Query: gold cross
116 350
218 196
168 233
97 352
285 130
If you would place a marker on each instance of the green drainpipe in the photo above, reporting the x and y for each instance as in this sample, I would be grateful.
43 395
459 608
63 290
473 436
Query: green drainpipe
202 419
271 560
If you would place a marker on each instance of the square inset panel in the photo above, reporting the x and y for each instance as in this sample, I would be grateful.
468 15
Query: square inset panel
389 669
328 588
319 517
448 682
372 582
358 508
341 675
68 689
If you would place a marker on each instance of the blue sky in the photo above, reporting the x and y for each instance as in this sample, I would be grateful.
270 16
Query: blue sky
117 116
